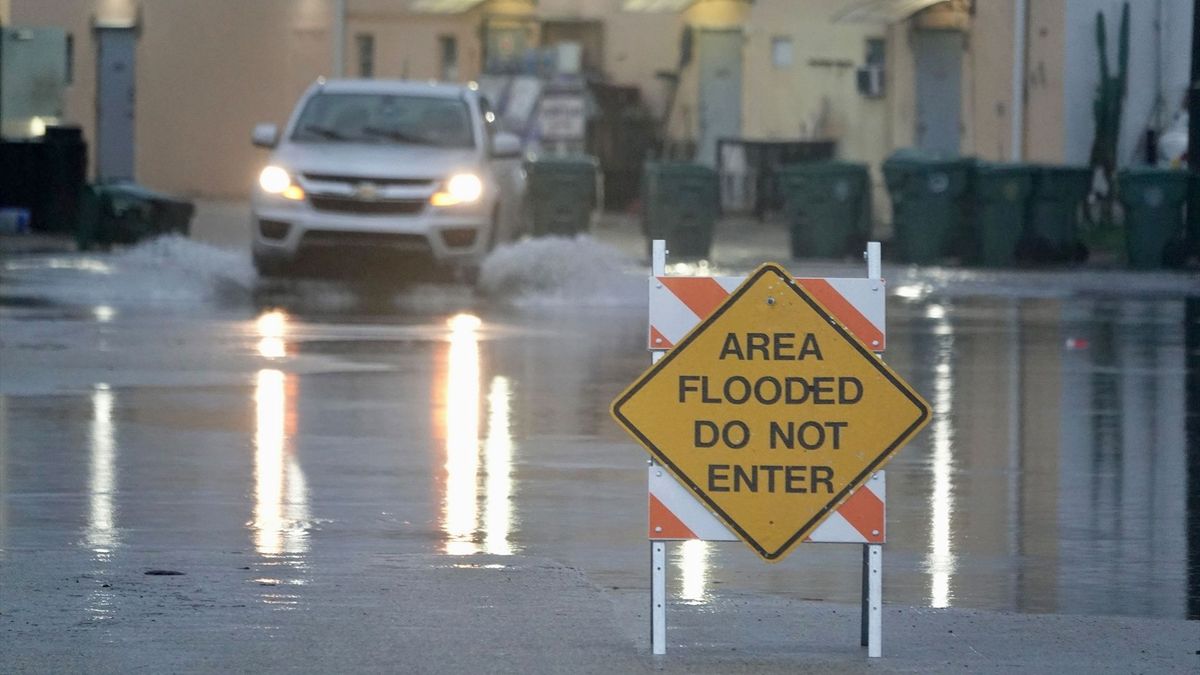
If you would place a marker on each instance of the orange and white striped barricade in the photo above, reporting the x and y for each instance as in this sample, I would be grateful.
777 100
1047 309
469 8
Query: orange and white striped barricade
677 304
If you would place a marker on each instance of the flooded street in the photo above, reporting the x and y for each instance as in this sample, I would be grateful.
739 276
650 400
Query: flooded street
161 410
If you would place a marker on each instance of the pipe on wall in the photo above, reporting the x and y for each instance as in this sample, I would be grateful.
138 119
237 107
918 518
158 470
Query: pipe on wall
339 38
1020 39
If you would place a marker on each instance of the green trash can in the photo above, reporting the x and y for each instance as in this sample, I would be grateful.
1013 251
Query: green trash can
561 195
927 204
125 213
828 207
681 205
999 197
1054 210
1154 227
1193 217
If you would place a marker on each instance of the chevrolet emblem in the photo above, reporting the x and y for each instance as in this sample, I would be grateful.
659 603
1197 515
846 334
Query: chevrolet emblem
366 191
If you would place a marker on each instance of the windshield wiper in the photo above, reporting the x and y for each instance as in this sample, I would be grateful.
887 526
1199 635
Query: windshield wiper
324 132
399 136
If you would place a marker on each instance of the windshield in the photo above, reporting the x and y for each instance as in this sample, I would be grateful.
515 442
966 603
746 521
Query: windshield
385 118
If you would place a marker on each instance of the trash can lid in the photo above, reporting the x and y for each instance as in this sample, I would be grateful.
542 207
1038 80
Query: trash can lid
1153 173
586 162
823 166
1151 186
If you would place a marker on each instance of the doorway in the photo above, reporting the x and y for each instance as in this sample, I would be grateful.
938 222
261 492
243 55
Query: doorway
938 55
720 104
115 91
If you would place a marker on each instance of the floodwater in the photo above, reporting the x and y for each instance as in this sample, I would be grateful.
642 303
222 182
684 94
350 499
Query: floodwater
161 403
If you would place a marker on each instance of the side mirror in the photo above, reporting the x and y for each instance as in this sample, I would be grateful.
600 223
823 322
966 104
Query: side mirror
506 146
265 135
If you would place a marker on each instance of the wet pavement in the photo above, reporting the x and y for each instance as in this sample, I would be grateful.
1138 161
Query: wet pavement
428 462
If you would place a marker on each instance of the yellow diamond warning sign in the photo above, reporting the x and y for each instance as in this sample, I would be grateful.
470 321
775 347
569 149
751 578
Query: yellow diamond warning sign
771 412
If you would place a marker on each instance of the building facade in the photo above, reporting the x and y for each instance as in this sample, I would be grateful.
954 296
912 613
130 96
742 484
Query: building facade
168 90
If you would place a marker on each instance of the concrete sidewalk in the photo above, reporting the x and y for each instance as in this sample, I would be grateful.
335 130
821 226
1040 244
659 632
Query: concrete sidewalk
31 244
229 612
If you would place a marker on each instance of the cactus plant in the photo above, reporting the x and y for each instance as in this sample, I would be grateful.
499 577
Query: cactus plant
1106 109
1110 96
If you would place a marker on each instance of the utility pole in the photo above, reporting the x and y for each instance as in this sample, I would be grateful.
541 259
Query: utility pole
339 38
1192 332
1016 142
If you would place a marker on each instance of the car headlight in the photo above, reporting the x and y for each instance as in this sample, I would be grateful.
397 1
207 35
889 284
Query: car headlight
275 180
463 188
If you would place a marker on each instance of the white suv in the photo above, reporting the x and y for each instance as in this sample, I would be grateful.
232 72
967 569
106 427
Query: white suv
400 171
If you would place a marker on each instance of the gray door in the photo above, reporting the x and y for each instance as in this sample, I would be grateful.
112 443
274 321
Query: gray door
720 113
938 56
114 102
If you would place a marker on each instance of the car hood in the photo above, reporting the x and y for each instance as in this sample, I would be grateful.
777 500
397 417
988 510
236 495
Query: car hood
376 161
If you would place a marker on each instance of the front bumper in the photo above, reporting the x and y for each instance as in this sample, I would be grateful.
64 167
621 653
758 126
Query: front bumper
288 230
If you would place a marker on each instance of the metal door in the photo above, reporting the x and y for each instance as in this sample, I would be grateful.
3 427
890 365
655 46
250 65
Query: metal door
720 54
115 49
938 55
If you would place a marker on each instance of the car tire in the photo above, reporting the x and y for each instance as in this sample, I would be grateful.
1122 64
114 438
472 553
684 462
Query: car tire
493 231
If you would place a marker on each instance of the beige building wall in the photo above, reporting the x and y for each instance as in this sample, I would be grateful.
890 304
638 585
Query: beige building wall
206 73
1044 84
901 87
407 45
637 45
988 81
987 101
816 95
684 124
250 61
74 16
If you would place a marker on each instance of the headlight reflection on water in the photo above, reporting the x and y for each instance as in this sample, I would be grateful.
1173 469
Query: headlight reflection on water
940 560
460 514
272 326
101 530
281 512
463 524
280 488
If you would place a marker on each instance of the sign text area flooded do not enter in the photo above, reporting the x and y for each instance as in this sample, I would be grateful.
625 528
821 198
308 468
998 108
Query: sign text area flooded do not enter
771 412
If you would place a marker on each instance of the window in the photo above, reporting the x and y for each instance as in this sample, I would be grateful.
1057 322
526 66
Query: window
875 52
385 119
448 46
870 75
781 52
365 43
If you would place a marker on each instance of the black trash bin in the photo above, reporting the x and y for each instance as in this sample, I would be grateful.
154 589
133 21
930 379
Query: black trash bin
561 195
45 175
65 175
682 202
1053 234
828 207
22 179
927 204
1154 227
999 199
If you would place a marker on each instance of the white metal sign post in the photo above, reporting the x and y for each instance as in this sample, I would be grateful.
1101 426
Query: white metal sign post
844 413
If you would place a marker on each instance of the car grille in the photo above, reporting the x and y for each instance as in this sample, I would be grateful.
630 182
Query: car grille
390 207
381 182
392 240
